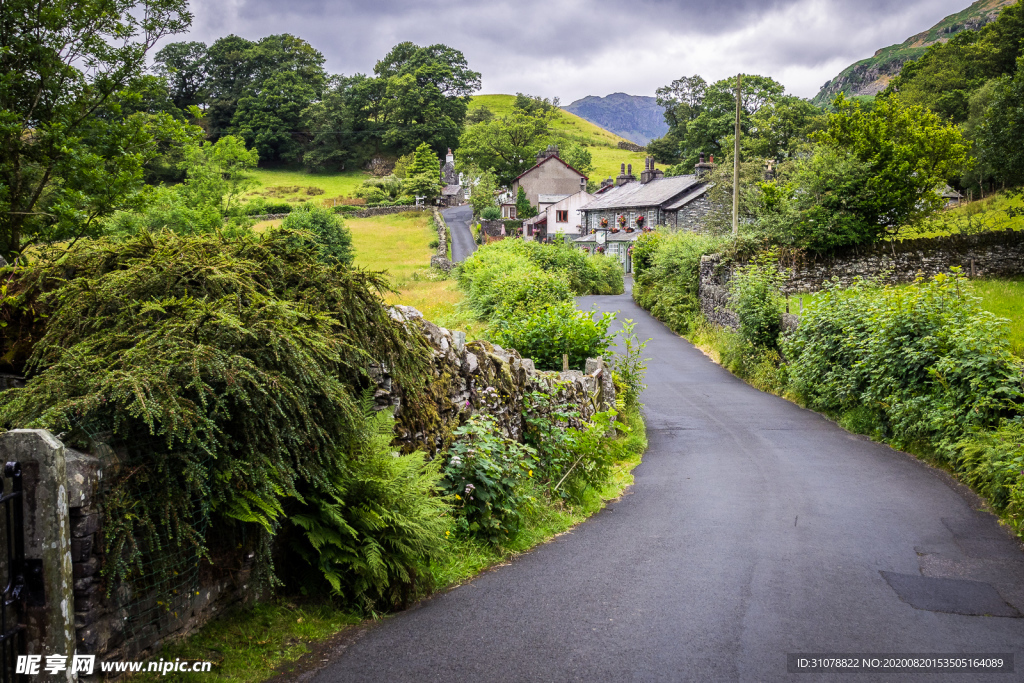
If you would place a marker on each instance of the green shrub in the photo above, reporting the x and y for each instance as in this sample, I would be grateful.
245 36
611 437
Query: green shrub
992 462
373 529
486 477
491 213
524 290
644 248
333 240
755 297
609 275
668 287
547 332
434 243
260 206
629 366
925 361
227 370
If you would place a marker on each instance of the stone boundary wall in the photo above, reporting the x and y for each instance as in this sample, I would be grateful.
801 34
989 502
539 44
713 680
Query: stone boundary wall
983 255
713 293
480 377
466 378
387 210
440 259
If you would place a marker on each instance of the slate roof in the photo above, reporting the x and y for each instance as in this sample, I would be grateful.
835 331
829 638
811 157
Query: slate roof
677 204
657 192
551 198
451 190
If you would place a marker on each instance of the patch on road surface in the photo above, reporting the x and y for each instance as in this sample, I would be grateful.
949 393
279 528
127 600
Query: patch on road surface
982 538
953 596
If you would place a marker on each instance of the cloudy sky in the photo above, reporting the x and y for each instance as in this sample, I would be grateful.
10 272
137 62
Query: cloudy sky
574 48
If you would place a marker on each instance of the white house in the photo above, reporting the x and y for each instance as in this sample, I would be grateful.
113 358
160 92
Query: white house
559 215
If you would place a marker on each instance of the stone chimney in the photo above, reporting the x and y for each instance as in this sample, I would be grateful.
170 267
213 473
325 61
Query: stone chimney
623 178
551 151
649 173
607 182
703 168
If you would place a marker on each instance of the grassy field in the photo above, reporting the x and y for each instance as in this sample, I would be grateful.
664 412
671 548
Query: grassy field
984 215
400 245
601 143
294 186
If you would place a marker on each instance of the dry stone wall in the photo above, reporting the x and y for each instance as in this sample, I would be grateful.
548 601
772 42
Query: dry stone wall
983 255
480 377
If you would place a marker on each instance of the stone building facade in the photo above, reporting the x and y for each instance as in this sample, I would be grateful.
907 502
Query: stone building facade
551 176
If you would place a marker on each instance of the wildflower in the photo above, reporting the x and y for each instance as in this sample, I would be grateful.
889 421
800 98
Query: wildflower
469 489
458 497
531 473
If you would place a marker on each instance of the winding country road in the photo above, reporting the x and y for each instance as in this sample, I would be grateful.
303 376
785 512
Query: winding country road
458 218
754 529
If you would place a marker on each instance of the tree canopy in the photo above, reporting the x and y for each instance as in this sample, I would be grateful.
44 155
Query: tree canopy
68 153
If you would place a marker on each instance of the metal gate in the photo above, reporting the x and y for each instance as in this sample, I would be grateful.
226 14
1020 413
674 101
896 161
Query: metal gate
12 631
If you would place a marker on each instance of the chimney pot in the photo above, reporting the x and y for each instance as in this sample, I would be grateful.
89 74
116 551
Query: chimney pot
629 170
622 169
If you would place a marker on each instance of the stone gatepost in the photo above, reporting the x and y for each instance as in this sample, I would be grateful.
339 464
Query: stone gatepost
51 621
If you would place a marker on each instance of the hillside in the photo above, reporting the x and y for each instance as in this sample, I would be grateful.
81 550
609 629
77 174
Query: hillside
870 76
602 144
635 117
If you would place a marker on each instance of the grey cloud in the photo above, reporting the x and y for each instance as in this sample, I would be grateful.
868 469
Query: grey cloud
573 48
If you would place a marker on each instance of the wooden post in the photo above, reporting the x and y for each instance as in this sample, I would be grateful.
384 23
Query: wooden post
565 362
972 268
736 163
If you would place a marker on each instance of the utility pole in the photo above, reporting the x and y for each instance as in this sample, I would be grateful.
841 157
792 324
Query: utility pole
736 163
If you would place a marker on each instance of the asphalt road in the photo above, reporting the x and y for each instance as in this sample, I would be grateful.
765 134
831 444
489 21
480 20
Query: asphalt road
754 529
458 218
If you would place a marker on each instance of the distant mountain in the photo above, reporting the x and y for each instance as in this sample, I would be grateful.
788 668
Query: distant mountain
871 76
638 119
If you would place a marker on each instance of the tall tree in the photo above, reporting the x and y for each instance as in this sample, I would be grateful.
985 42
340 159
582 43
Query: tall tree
506 145
420 94
230 69
183 66
423 177
333 143
908 150
67 154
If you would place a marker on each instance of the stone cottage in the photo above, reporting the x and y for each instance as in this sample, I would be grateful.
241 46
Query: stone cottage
619 214
549 176
452 194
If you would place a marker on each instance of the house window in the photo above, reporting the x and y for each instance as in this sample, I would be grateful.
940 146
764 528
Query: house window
561 216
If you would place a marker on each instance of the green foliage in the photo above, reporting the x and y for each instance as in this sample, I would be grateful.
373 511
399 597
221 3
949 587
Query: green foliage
644 248
909 152
992 463
754 291
924 362
701 117
524 209
332 239
486 477
544 332
423 176
378 190
484 186
375 526
577 156
998 133
514 274
505 145
69 154
227 367
668 287
630 367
